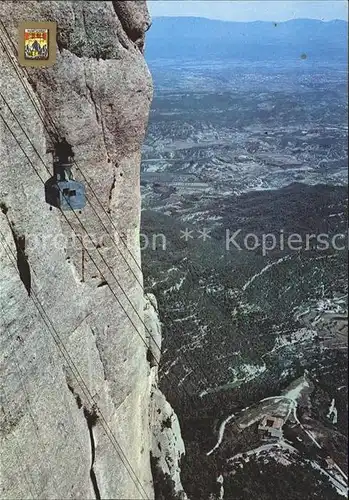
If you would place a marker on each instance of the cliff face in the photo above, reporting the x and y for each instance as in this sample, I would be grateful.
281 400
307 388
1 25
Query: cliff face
76 383
167 446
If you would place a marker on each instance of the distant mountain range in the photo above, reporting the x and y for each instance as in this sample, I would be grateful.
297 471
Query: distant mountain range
195 38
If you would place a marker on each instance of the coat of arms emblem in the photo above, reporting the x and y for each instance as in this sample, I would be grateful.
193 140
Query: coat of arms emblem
37 43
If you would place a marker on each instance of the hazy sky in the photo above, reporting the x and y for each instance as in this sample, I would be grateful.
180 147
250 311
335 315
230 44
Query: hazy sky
257 10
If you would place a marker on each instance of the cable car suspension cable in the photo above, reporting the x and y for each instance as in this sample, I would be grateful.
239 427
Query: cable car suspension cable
76 373
112 239
90 256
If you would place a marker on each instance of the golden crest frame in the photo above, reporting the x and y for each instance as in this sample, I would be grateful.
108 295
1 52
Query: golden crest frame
42 51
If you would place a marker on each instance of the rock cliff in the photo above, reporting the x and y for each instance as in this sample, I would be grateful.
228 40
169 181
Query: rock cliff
167 447
76 419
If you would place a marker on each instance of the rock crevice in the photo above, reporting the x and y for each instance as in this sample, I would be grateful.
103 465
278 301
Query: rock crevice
91 419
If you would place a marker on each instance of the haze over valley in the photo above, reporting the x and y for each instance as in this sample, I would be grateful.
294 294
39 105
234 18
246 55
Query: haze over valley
248 137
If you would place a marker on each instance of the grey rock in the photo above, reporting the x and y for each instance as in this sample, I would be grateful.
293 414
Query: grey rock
153 329
134 21
167 446
76 384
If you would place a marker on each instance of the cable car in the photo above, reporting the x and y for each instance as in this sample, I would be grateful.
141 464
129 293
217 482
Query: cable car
61 190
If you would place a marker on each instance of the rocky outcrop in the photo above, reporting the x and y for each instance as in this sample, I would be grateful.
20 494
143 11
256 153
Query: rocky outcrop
167 448
134 22
76 381
153 329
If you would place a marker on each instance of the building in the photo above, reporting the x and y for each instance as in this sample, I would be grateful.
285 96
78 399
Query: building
271 427
330 463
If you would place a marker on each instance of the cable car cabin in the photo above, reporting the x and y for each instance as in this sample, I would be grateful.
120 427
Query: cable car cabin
61 190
